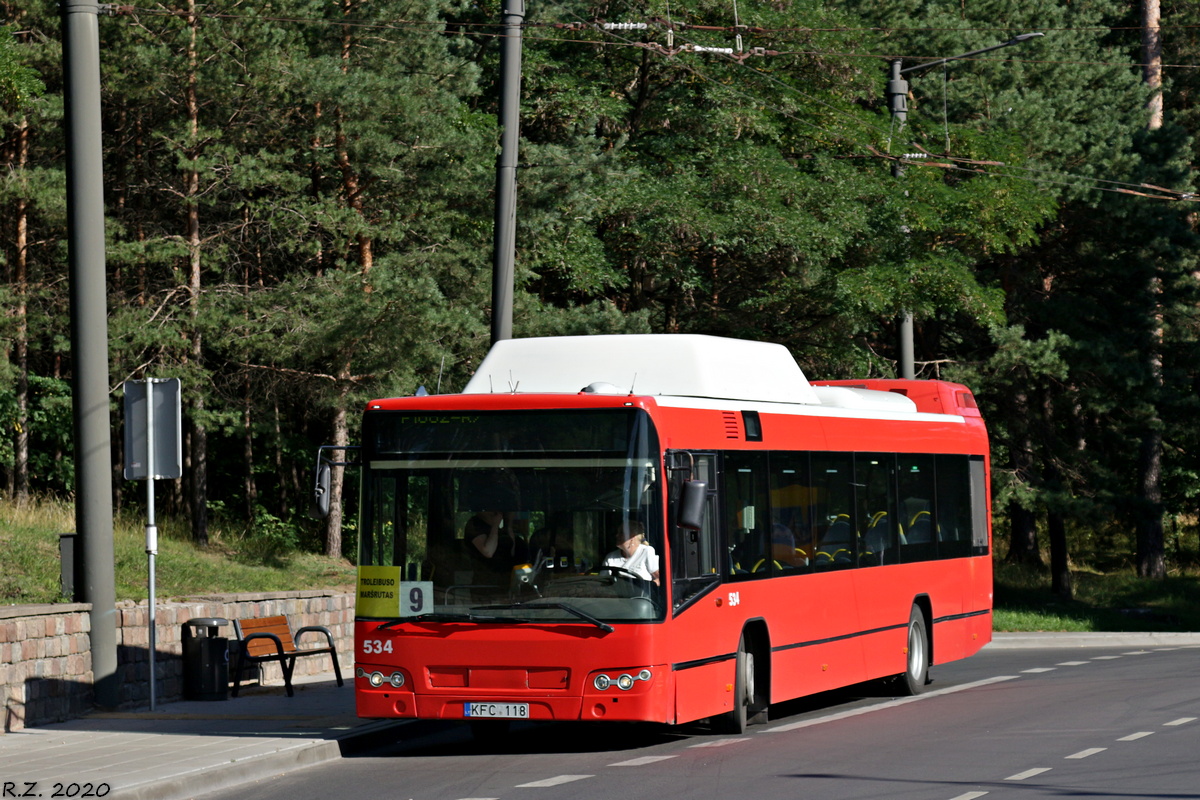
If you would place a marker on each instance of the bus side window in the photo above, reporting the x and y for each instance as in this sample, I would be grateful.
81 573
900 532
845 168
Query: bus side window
955 524
882 526
792 501
834 518
694 553
979 506
917 508
747 514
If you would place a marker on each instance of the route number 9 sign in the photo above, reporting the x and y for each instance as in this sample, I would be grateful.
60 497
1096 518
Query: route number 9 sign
381 593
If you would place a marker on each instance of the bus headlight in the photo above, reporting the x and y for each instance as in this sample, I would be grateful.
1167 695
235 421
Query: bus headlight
625 681
377 679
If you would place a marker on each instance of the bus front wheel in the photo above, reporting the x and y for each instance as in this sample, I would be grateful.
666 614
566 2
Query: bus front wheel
749 703
916 671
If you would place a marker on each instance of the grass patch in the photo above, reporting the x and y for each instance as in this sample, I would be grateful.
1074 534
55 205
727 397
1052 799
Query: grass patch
1115 601
265 558
235 561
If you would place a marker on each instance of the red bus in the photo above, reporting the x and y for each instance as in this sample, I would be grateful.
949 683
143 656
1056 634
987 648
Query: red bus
802 536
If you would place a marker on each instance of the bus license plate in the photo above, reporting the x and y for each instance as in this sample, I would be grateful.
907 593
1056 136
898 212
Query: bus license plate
496 710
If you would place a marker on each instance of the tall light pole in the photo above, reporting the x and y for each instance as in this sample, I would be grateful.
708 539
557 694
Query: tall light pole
504 239
89 340
896 95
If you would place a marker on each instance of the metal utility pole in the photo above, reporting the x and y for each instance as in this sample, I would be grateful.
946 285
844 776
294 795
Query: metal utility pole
896 96
89 340
505 236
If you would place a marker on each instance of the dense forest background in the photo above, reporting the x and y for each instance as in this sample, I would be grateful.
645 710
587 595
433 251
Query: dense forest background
299 205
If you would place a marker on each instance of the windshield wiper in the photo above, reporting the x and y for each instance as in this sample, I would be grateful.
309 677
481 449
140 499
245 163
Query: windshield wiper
445 616
442 616
431 617
583 615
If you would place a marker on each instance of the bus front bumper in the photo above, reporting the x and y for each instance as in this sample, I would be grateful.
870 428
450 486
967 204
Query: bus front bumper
379 703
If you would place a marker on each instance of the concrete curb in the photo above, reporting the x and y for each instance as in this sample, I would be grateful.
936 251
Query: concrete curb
1007 641
203 780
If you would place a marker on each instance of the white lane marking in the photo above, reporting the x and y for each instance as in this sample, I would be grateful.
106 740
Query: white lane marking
1038 669
1029 773
1091 751
638 762
1166 649
1073 663
1105 658
1133 737
719 742
1136 653
479 798
969 796
791 726
558 780
1180 721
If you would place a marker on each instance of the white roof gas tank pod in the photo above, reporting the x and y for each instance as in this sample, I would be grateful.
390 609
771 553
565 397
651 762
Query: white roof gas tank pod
680 365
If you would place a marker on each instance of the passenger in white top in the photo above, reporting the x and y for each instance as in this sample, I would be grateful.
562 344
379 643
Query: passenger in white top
633 554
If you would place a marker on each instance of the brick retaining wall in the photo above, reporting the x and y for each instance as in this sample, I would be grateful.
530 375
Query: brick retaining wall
46 660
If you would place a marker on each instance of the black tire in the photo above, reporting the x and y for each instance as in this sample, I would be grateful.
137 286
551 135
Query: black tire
734 722
749 694
916 659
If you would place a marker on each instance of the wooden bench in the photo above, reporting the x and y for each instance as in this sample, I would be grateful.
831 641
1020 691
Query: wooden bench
270 639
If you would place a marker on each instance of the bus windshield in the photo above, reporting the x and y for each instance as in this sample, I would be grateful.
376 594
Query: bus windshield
517 516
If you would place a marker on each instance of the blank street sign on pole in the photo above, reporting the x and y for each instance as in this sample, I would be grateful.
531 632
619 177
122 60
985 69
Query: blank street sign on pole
153 449
165 432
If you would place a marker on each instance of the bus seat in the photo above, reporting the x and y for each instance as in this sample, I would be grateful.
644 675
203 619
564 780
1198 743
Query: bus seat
838 557
788 559
879 533
920 529
838 531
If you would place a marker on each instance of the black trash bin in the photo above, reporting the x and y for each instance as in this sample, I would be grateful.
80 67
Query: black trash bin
205 659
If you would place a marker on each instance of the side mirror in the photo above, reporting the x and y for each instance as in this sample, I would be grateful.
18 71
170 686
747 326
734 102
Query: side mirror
690 509
320 507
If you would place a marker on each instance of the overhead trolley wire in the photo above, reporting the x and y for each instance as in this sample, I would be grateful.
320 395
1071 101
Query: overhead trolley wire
953 163
739 56
495 30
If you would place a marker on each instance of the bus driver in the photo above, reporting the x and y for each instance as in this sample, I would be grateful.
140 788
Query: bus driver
632 553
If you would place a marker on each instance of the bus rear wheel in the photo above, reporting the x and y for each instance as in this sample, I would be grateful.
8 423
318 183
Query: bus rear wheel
916 662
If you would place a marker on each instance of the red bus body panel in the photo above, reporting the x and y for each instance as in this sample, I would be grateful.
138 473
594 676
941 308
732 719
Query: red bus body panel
825 629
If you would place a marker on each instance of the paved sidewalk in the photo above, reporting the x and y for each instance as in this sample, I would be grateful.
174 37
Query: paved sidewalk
188 748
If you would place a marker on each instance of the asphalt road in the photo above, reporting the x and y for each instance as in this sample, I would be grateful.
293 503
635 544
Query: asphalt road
1107 722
